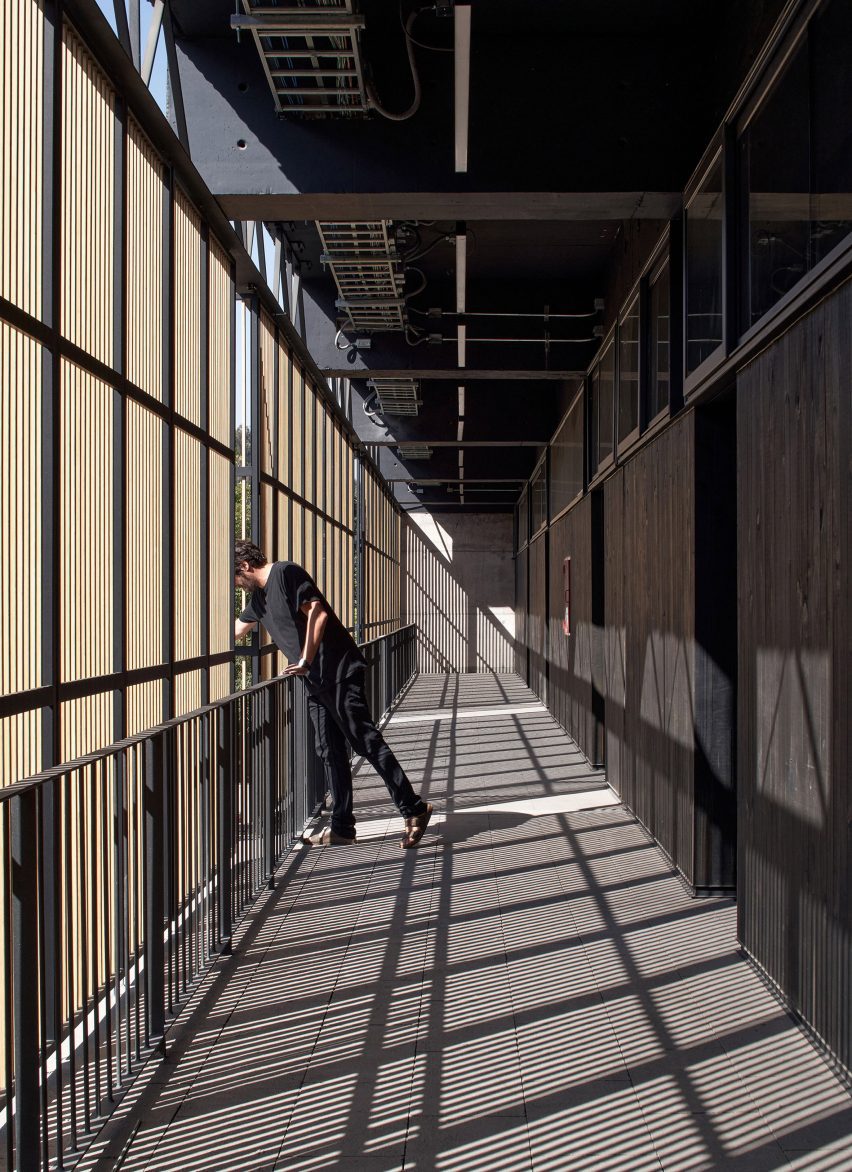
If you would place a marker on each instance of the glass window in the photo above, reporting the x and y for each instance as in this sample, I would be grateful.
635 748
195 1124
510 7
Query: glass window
606 392
831 118
538 499
797 164
523 520
658 341
628 371
704 270
566 460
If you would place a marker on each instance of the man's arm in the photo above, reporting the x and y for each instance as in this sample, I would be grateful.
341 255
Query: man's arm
241 628
317 618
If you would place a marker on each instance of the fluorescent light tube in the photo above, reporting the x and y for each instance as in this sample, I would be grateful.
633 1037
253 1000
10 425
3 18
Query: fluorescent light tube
461 16
461 271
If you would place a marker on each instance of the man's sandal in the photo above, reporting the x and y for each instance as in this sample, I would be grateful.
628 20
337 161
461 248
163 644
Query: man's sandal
327 837
414 828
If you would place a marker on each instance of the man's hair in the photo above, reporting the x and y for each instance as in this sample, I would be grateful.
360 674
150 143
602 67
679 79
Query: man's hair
247 551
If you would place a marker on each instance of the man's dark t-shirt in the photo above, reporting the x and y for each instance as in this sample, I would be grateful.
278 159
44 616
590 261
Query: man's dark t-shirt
276 606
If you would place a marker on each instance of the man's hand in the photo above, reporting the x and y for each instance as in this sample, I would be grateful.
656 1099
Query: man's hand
296 669
241 628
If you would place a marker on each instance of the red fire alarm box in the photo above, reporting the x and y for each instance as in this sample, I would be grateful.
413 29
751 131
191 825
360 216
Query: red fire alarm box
566 595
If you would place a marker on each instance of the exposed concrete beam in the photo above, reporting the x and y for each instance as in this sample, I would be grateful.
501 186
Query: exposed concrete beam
457 374
435 481
401 443
454 205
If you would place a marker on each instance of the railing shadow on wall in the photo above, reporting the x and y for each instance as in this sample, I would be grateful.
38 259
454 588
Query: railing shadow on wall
458 584
124 875
663 753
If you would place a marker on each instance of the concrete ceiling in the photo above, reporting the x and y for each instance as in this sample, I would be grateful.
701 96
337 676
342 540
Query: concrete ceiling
586 120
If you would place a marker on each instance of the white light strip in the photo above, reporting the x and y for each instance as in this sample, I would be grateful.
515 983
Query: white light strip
461 271
461 13
459 437
572 802
529 709
462 344
461 402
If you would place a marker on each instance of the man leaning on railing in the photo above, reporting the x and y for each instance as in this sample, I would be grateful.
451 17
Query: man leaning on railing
286 600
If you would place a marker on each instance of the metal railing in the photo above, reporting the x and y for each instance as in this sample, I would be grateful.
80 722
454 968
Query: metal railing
124 874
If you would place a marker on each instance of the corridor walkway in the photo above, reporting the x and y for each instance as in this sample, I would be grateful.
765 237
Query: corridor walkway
532 988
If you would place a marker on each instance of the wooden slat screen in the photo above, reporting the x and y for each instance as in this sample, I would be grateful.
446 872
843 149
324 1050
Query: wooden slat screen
220 554
21 147
219 332
116 432
86 525
145 197
143 585
382 530
20 504
187 308
88 193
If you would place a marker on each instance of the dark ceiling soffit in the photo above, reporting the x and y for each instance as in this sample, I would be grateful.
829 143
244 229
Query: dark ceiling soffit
398 443
458 374
112 58
441 205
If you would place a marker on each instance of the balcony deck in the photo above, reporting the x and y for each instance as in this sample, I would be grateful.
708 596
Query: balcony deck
531 988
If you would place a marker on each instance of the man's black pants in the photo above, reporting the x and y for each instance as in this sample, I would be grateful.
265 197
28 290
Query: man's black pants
340 714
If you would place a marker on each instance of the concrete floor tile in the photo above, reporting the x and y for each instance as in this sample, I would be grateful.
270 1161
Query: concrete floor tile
491 1143
599 1128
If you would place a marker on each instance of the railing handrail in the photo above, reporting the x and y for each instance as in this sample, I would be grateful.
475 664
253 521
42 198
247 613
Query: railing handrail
8 792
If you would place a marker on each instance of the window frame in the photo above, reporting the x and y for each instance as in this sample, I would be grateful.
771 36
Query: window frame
608 462
633 300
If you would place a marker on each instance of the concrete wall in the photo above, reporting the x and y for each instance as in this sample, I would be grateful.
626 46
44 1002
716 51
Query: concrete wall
459 588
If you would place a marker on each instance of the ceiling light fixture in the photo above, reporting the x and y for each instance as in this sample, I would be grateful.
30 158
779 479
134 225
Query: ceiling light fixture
462 344
461 268
461 17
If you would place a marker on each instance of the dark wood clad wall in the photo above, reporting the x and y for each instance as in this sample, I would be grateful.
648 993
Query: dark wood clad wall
619 760
572 657
537 629
793 428
649 643
521 652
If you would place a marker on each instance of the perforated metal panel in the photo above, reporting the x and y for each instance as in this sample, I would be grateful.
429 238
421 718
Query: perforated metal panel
369 275
311 54
397 396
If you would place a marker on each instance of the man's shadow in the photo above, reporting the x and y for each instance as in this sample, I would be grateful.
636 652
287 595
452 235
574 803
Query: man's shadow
459 825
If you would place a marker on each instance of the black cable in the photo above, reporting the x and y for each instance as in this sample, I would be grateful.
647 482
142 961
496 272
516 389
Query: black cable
420 44
415 78
423 282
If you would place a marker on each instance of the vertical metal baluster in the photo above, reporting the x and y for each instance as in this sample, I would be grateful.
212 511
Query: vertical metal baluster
43 898
137 950
154 829
242 805
118 913
70 960
95 934
205 836
83 845
197 830
56 976
122 764
225 845
8 1008
25 959
184 796
105 941
169 862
